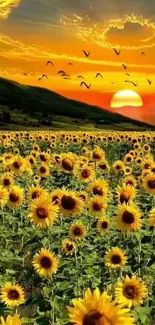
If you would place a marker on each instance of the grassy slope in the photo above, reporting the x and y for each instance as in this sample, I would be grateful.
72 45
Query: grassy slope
31 102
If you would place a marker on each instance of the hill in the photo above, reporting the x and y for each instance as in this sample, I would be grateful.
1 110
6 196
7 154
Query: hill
28 107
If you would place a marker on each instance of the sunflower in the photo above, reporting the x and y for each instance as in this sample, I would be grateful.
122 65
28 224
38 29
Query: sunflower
128 159
118 166
67 163
130 180
43 170
152 217
103 225
35 192
98 309
131 291
16 196
146 148
98 154
17 164
70 203
7 180
103 166
4 195
115 258
12 294
99 187
85 173
126 193
10 320
43 212
147 163
128 170
149 184
77 230
68 246
45 263
56 196
97 205
128 217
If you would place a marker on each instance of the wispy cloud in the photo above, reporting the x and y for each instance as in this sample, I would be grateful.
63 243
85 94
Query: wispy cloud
6 7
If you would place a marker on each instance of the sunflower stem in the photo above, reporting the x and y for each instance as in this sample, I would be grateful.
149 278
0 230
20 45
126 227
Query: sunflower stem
139 256
77 269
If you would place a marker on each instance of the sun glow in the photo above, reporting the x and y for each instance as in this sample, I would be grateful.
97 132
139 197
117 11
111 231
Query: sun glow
126 98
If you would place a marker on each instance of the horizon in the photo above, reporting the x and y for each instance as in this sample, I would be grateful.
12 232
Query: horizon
60 31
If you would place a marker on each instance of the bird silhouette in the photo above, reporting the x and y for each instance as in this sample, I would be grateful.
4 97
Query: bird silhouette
70 63
135 84
67 78
39 79
117 51
25 74
84 83
127 74
86 54
143 53
149 81
44 76
61 72
50 62
98 74
81 77
124 66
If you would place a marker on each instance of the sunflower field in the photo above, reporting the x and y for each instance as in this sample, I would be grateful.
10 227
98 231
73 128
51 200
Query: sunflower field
77 220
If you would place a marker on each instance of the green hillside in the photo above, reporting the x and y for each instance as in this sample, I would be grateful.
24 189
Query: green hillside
34 107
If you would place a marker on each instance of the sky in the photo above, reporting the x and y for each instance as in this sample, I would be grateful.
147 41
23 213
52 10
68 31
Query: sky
33 32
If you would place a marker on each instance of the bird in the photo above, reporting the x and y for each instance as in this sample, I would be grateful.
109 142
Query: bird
61 72
149 81
70 63
50 62
132 82
124 66
81 77
86 54
98 74
117 51
143 53
127 74
84 83
25 74
67 78
44 76
39 79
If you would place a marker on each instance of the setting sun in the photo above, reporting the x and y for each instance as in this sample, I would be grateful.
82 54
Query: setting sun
126 98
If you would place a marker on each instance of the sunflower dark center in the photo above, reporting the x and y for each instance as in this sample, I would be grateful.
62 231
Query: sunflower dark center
77 231
128 217
16 164
42 213
151 183
129 183
42 157
46 262
103 166
146 166
13 197
94 317
96 155
104 225
6 182
116 259
97 190
31 161
97 206
124 197
57 158
118 167
82 197
35 195
42 169
128 159
55 199
13 295
69 247
130 292
67 202
86 173
67 164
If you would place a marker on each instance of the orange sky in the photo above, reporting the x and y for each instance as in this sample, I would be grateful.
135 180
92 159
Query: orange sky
36 31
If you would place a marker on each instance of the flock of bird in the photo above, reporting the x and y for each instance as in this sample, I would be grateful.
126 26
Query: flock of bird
66 76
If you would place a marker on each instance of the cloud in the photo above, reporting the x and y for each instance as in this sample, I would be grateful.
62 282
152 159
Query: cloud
6 7
13 49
